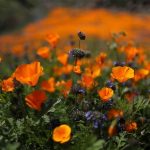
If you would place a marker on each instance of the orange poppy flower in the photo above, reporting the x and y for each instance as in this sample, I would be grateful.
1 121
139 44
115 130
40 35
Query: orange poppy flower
77 69
63 58
131 52
87 81
48 85
112 130
93 71
67 69
141 74
52 39
114 113
44 52
62 133
64 86
28 73
35 99
101 58
131 126
122 74
105 94
8 85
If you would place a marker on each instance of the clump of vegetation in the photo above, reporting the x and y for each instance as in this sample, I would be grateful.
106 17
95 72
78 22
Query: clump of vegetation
74 98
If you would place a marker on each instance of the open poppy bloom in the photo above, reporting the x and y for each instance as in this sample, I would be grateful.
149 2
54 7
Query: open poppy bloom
52 39
63 58
8 85
35 99
62 133
28 73
122 74
105 94
93 71
114 113
48 85
44 52
131 126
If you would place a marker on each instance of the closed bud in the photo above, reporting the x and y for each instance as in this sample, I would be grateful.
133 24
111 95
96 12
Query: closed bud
81 35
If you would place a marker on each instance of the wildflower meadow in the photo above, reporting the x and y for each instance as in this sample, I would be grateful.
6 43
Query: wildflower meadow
75 90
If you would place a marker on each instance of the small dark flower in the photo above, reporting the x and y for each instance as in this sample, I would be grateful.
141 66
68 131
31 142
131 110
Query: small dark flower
88 115
77 53
96 124
81 35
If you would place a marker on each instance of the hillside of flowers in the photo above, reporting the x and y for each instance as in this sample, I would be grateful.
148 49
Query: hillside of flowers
73 97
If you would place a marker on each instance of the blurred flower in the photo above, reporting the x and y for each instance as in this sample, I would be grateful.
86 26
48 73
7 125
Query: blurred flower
122 74
105 94
64 86
48 85
100 59
44 52
28 73
63 58
96 118
77 69
114 113
52 39
8 85
140 74
35 99
130 126
131 52
93 71
87 81
62 133
112 130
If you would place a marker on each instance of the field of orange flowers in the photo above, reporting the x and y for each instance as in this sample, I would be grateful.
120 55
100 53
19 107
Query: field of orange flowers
61 94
